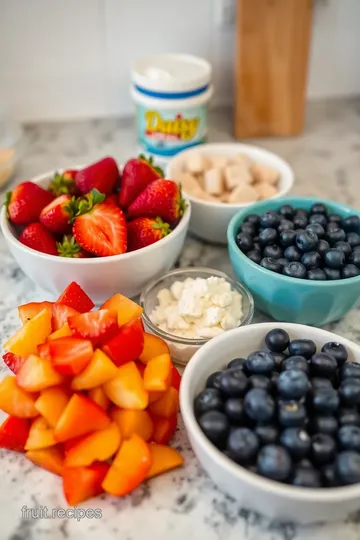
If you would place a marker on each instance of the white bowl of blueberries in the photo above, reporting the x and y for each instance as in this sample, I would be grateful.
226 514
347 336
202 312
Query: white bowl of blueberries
273 415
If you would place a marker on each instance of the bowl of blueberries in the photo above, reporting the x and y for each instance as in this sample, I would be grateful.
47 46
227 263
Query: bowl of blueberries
273 415
299 256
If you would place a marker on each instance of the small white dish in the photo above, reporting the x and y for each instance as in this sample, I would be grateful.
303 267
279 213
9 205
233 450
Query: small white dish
209 220
273 499
100 277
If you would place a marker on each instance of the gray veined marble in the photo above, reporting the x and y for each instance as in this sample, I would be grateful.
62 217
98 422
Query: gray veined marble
185 503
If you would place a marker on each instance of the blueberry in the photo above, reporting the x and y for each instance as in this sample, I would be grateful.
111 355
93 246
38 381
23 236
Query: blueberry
350 371
278 358
332 273
259 405
323 448
328 475
318 208
292 254
296 441
273 250
296 363
332 226
334 258
323 365
306 241
233 383
216 426
260 381
335 218
238 363
316 274
302 347
249 228
319 382
271 264
337 351
349 392
325 400
213 380
244 242
300 221
234 409
287 211
267 236
311 259
267 434
255 256
318 218
254 219
355 258
335 235
344 247
351 224
322 246
274 462
307 477
353 239
305 464
349 271
208 400
269 219
317 229
291 414
348 417
285 225
293 384
282 261
302 212
243 444
260 363
287 238
277 340
294 269
256 245
347 467
323 424
274 380
349 438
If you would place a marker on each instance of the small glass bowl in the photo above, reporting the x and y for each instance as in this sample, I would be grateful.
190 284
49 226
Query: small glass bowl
182 349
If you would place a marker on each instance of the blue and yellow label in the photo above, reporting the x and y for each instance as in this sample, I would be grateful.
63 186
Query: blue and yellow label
167 132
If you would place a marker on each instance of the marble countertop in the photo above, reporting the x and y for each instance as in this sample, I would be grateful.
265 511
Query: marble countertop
185 503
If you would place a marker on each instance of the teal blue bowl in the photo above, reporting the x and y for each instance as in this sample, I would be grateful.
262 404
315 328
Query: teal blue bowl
289 299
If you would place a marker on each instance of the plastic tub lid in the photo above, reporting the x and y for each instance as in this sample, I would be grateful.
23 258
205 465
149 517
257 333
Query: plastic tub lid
172 73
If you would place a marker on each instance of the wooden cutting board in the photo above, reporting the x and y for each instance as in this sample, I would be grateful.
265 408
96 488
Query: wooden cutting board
272 49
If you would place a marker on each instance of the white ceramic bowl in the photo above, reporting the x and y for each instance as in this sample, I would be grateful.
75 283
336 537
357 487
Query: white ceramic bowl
275 500
209 220
101 277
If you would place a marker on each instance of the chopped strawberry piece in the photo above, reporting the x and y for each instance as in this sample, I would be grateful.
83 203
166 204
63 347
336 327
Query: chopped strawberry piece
69 355
13 361
14 433
44 351
164 428
145 231
37 237
97 326
127 344
102 175
61 313
82 483
25 203
30 310
167 405
136 175
161 198
56 216
75 297
175 378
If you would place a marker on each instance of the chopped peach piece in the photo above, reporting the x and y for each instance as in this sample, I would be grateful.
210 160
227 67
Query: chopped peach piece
127 388
98 446
51 404
99 397
164 428
64 331
157 374
163 459
153 346
41 435
132 421
100 370
167 405
82 483
25 341
37 374
16 401
30 310
126 309
50 459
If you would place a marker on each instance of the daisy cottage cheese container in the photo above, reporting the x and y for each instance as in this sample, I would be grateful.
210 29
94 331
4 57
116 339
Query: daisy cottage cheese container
171 94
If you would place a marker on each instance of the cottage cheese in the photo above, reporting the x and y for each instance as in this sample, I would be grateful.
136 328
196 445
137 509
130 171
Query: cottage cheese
198 308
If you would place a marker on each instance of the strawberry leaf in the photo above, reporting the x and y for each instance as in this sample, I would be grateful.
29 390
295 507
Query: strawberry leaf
7 202
150 161
97 196
181 202
68 247
78 207
60 185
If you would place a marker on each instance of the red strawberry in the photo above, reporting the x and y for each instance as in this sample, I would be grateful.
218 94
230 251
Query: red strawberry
69 248
13 361
25 203
56 215
36 236
111 199
100 228
64 183
102 175
95 325
160 198
76 298
145 231
137 174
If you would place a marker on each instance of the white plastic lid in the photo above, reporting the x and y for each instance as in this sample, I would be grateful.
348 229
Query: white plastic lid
172 73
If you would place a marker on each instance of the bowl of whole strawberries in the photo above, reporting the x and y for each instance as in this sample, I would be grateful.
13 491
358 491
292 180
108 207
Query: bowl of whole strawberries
108 230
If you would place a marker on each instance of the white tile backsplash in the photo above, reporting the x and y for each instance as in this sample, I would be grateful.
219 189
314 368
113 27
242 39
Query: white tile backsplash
72 58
